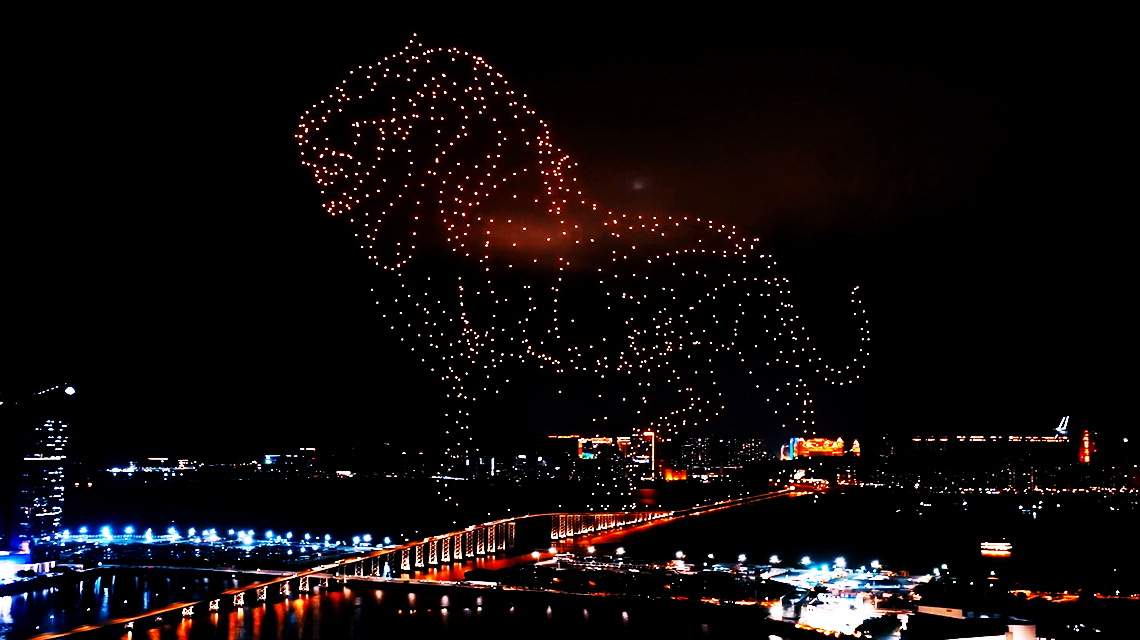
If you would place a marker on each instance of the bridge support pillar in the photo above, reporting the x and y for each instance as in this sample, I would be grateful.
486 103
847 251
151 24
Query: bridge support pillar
445 550
433 553
285 588
468 543
239 599
419 556
188 612
491 538
511 534
480 540
261 595
215 605
304 586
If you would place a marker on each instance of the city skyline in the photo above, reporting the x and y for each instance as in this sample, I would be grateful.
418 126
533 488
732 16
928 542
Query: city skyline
242 309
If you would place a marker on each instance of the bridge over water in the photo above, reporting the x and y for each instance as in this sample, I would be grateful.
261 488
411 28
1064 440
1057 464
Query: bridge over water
434 559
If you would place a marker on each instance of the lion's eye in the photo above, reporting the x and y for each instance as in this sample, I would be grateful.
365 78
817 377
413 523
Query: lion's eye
340 135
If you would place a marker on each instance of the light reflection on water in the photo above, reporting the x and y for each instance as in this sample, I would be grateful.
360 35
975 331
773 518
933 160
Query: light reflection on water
93 600
432 612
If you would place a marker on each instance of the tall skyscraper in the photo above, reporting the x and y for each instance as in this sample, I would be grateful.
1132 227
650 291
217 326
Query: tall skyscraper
37 424
39 507
643 455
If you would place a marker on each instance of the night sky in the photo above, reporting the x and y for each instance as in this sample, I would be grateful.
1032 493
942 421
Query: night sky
173 261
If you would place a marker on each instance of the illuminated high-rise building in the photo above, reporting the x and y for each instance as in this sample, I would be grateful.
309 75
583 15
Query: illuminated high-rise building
642 455
603 473
1086 447
40 502
40 420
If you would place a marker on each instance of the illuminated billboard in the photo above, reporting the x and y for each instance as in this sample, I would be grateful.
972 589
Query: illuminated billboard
588 447
810 447
997 549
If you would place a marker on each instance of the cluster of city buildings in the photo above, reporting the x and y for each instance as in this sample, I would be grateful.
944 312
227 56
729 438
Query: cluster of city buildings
606 473
1056 462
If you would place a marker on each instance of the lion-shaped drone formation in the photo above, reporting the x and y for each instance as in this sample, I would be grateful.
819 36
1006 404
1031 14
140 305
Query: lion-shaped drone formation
517 290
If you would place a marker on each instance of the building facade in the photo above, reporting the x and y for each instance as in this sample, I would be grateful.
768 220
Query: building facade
37 425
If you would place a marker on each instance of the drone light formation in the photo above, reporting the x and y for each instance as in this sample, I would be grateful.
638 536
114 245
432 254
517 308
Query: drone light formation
496 267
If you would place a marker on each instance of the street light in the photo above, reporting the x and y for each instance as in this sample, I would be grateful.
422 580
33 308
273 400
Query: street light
773 559
805 561
741 558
